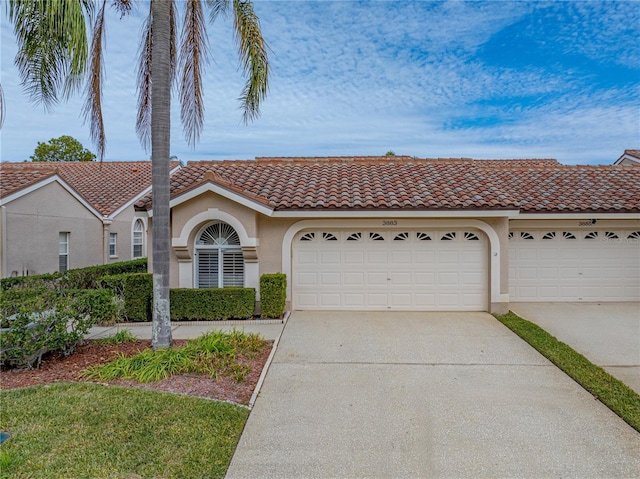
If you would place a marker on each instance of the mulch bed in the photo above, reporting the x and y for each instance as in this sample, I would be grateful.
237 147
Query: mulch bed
57 368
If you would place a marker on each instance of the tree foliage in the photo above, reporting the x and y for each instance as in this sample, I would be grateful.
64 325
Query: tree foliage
64 148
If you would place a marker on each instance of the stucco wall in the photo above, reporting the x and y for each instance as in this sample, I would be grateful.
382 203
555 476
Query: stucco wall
33 224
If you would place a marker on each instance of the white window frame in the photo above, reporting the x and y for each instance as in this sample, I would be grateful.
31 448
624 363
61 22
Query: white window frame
137 239
63 251
113 245
224 252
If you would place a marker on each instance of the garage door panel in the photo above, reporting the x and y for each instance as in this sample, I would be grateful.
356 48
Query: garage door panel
377 278
425 279
307 279
403 271
330 279
425 257
330 257
401 257
378 257
329 300
354 257
592 267
354 279
307 257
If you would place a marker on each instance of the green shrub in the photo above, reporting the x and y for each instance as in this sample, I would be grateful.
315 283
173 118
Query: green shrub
80 278
32 333
15 301
136 290
212 303
273 294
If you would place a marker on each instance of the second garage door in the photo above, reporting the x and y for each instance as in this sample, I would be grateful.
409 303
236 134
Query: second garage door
421 270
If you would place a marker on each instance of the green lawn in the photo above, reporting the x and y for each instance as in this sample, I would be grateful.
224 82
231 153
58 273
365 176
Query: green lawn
95 431
620 398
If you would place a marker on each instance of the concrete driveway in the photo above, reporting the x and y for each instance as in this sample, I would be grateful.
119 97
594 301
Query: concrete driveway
607 334
424 395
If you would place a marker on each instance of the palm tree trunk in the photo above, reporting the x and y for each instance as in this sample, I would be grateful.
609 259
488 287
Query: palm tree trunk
160 152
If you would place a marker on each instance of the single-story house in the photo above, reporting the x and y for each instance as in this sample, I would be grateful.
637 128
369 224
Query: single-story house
403 233
56 216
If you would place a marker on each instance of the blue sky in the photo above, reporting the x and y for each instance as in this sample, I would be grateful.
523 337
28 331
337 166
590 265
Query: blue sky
498 79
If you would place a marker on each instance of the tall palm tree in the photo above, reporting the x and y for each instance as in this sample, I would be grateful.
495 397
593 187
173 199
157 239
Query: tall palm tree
54 58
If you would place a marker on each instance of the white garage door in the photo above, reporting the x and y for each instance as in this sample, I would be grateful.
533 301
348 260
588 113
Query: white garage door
565 265
425 270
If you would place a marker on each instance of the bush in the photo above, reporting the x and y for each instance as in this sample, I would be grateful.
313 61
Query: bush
15 301
136 290
212 303
81 278
273 294
32 333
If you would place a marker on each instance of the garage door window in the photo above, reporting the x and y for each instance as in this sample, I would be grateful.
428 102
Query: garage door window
219 260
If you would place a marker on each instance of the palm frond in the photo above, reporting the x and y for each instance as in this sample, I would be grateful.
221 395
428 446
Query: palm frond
52 46
92 109
217 8
252 50
143 119
2 107
123 7
193 54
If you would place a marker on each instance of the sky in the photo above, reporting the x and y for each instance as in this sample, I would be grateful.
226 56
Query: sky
494 79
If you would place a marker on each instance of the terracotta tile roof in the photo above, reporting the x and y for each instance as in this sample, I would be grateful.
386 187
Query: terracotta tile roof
422 184
106 186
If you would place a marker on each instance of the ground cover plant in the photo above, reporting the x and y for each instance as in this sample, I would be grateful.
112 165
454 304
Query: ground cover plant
92 430
616 395
214 353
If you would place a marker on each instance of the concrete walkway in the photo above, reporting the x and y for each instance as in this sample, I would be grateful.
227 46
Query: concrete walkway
607 334
424 395
268 329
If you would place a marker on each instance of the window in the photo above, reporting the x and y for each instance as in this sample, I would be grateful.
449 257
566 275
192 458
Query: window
113 241
138 239
63 252
219 260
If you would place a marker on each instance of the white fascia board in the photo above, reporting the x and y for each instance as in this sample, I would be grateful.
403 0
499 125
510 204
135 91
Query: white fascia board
130 202
233 196
404 213
579 216
43 183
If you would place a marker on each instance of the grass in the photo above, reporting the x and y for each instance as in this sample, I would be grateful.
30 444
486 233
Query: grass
212 353
616 395
92 430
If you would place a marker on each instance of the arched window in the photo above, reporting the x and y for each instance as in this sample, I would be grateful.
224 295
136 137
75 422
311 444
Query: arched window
138 239
219 261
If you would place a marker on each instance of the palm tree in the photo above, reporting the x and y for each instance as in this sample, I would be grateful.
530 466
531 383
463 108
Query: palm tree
54 58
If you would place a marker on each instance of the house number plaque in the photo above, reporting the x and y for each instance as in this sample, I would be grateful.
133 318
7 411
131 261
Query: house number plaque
389 222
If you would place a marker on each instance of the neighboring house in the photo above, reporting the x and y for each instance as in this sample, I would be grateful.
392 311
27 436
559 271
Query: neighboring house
58 216
401 233
629 157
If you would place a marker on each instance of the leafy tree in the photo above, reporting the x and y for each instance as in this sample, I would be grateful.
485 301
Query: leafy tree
65 148
55 56
390 153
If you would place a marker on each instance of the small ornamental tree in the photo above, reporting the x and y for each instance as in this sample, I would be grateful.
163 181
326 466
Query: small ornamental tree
65 148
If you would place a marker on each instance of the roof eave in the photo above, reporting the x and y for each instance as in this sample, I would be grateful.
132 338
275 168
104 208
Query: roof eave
397 213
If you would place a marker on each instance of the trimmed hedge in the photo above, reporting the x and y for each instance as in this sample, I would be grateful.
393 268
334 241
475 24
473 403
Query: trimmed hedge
80 278
215 304
273 294
136 290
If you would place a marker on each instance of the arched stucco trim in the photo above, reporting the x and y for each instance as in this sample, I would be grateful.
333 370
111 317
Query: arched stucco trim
181 245
492 235
212 214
